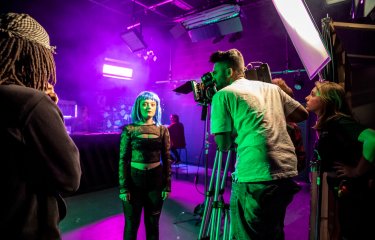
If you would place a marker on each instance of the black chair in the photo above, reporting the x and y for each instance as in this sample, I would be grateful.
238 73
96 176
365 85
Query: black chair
183 164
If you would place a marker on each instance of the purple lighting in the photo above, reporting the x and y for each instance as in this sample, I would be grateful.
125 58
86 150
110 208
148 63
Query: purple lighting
117 72
133 26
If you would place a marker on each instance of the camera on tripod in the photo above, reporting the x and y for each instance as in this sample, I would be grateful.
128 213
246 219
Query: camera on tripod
204 91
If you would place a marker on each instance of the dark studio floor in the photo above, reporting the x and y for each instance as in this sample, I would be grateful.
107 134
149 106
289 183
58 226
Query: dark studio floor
98 215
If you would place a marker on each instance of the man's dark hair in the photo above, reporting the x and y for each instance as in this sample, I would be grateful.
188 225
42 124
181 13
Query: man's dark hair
176 117
23 59
233 58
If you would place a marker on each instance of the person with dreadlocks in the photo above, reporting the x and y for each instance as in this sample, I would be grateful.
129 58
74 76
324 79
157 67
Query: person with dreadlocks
39 160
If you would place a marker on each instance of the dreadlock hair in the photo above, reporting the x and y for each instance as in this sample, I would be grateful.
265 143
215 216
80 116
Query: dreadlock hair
25 63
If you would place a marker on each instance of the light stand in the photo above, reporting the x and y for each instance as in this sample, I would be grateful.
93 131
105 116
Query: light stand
206 145
316 199
204 102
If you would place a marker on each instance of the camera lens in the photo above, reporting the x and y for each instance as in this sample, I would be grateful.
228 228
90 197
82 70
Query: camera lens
207 78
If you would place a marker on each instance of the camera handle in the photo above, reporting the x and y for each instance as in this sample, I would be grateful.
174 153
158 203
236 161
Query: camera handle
214 206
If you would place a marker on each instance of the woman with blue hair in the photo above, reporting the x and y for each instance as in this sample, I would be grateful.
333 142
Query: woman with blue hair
145 182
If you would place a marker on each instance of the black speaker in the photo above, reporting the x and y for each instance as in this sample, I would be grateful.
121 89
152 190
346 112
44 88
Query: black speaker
177 31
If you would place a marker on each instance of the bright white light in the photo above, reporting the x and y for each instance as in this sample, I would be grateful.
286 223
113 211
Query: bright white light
117 77
304 35
117 72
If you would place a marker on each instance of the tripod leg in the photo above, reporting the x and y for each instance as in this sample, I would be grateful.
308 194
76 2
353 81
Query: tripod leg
214 202
207 205
226 230
215 230
230 230
225 173
219 192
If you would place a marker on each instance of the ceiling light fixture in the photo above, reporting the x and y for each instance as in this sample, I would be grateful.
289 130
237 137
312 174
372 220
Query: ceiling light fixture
114 68
182 4
214 15
134 40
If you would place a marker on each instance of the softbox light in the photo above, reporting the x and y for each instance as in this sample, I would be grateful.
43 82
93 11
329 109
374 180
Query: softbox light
114 68
304 35
133 40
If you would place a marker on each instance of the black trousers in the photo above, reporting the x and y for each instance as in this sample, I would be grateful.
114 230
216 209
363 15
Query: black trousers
145 193
355 207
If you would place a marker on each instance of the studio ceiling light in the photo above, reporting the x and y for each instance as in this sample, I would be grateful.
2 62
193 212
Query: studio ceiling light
213 23
133 40
214 15
114 68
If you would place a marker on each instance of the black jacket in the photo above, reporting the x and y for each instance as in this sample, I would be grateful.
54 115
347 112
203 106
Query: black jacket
38 162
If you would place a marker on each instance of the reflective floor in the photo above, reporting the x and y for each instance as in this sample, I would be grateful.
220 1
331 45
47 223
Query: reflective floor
98 215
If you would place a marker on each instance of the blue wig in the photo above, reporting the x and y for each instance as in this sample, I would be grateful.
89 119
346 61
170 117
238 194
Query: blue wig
136 110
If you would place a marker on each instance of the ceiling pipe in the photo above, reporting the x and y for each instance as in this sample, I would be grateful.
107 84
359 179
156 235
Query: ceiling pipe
152 8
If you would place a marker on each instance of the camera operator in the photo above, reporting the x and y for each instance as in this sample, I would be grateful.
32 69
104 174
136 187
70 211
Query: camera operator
256 113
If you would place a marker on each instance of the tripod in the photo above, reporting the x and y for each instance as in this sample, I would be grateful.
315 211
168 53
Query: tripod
215 208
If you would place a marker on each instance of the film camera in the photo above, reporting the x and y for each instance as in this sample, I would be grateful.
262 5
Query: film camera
204 91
